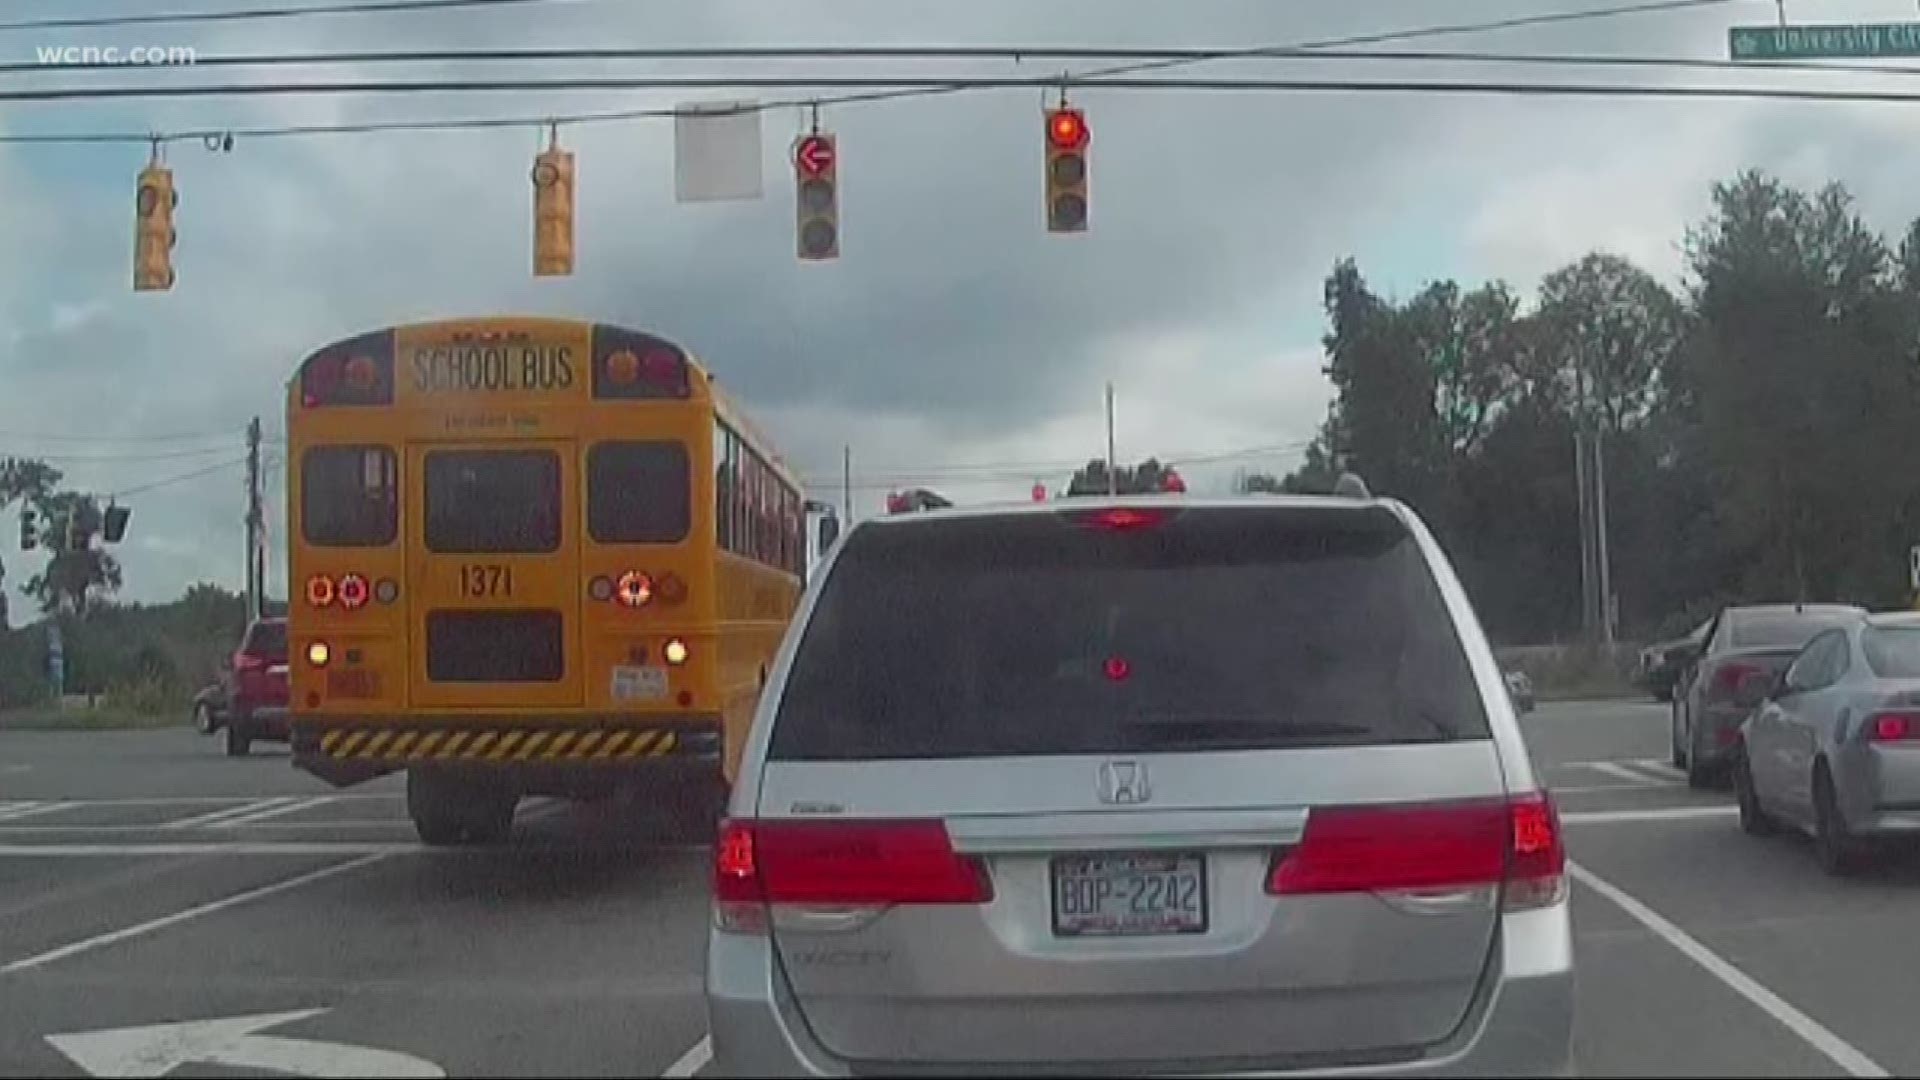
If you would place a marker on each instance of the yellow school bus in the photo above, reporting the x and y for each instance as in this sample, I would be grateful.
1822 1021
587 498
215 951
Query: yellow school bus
530 557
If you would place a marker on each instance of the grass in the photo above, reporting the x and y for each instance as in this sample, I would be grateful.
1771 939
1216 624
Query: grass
102 718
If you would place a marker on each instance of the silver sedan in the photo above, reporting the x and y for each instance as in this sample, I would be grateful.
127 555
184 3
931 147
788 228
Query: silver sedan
1835 749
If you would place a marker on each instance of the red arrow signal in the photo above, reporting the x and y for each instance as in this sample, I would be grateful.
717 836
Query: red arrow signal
814 156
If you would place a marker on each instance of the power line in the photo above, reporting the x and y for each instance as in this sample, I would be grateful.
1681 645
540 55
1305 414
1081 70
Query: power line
71 437
98 22
867 96
1013 53
165 455
179 478
896 86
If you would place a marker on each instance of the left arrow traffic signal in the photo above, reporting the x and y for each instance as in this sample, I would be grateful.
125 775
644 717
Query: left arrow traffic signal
816 178
153 235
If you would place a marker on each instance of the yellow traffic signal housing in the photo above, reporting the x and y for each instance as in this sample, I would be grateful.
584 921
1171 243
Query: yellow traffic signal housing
816 178
553 212
1066 145
153 235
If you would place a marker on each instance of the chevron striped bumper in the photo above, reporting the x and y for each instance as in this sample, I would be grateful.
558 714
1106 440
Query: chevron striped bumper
345 751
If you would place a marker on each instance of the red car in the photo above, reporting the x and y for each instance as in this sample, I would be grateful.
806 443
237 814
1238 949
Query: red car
256 685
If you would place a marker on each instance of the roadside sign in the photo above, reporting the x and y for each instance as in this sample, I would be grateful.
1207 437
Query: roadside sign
1834 41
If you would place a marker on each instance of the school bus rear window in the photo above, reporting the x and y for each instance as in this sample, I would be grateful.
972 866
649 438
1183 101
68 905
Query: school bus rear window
638 493
349 496
501 501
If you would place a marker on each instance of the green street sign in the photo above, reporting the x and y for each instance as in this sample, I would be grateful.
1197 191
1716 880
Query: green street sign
1838 41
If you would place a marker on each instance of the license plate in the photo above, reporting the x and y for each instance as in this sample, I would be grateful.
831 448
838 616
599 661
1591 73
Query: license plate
1128 895
353 683
639 683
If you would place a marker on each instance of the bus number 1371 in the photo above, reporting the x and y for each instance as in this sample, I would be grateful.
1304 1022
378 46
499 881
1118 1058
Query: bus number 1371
490 579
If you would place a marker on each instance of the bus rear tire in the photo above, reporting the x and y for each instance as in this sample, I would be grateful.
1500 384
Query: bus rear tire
449 810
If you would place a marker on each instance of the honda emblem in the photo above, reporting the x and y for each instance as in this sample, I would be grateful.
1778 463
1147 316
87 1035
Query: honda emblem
1124 783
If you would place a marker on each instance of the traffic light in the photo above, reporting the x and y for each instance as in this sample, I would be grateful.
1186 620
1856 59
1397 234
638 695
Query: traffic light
153 235
27 528
816 178
553 211
1067 138
113 524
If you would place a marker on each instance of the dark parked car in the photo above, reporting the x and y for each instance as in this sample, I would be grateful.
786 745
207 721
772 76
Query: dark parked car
1661 663
210 708
1746 649
255 686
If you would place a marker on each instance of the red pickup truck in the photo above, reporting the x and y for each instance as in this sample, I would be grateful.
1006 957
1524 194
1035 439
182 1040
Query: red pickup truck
256 687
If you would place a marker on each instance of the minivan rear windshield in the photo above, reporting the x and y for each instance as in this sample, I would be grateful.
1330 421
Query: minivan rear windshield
1218 629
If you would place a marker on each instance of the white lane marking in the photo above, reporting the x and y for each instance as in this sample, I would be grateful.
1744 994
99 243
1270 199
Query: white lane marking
1667 813
272 812
25 810
1579 789
215 800
124 933
1843 1053
1618 771
198 820
1664 769
693 1060
337 823
158 1049
237 847
288 847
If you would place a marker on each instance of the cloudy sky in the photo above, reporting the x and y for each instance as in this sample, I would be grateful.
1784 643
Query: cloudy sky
954 344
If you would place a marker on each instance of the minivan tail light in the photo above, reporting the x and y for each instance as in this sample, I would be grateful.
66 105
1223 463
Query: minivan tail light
1895 726
1444 845
844 863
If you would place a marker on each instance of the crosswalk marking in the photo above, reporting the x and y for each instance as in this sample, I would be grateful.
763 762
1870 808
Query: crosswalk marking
293 806
1642 772
243 810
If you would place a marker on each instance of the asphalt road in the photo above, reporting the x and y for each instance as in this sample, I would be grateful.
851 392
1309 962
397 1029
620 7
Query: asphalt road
281 926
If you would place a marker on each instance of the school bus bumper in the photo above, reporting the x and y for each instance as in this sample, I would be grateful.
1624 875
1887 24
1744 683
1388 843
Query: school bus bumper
543 752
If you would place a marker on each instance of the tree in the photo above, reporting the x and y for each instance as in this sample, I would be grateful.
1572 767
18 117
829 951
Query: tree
29 483
1147 478
78 570
1609 330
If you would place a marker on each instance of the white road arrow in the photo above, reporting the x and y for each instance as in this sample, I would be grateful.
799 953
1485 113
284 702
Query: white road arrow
158 1049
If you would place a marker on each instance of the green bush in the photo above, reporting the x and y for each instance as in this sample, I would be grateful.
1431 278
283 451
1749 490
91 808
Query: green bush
149 695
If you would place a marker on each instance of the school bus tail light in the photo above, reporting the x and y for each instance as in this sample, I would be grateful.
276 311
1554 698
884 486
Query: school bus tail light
634 589
354 592
319 653
320 591
675 651
627 364
671 589
354 372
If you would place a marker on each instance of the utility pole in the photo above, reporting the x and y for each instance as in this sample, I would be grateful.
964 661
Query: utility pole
846 482
1605 575
255 601
1113 477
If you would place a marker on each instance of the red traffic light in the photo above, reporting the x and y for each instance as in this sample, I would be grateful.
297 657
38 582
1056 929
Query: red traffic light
814 155
1067 128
